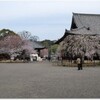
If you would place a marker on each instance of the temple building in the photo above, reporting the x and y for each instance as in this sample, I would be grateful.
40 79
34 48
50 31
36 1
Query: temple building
83 38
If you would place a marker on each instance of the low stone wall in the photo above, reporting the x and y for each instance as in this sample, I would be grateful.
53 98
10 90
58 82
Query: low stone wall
73 64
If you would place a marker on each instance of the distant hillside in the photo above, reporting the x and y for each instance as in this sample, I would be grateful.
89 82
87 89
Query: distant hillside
47 43
52 47
6 32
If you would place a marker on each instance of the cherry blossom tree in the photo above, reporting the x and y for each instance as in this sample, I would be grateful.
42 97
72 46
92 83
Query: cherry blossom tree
11 43
27 45
15 45
84 45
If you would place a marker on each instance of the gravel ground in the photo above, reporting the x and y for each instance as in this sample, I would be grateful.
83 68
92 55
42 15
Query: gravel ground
42 80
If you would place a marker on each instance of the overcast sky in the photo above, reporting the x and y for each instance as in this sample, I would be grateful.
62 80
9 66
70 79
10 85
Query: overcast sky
46 19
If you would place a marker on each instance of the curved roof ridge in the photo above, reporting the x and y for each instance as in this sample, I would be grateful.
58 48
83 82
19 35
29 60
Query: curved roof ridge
86 14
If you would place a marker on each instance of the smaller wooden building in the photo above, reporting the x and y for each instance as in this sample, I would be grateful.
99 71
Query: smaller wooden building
41 50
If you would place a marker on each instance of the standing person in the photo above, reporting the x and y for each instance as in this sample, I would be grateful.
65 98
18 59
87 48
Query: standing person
58 58
81 66
79 63
49 58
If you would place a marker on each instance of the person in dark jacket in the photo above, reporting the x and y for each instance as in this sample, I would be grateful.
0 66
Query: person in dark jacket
81 66
79 63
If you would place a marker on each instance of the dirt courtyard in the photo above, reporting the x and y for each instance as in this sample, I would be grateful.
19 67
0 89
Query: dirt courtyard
43 80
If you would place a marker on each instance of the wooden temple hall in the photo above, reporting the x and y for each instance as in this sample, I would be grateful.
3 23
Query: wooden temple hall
83 38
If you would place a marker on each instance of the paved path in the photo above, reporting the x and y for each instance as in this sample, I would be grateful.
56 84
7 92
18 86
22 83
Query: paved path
42 80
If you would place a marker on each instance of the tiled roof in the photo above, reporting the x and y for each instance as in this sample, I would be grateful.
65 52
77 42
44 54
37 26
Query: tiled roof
37 45
82 30
90 22
83 24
